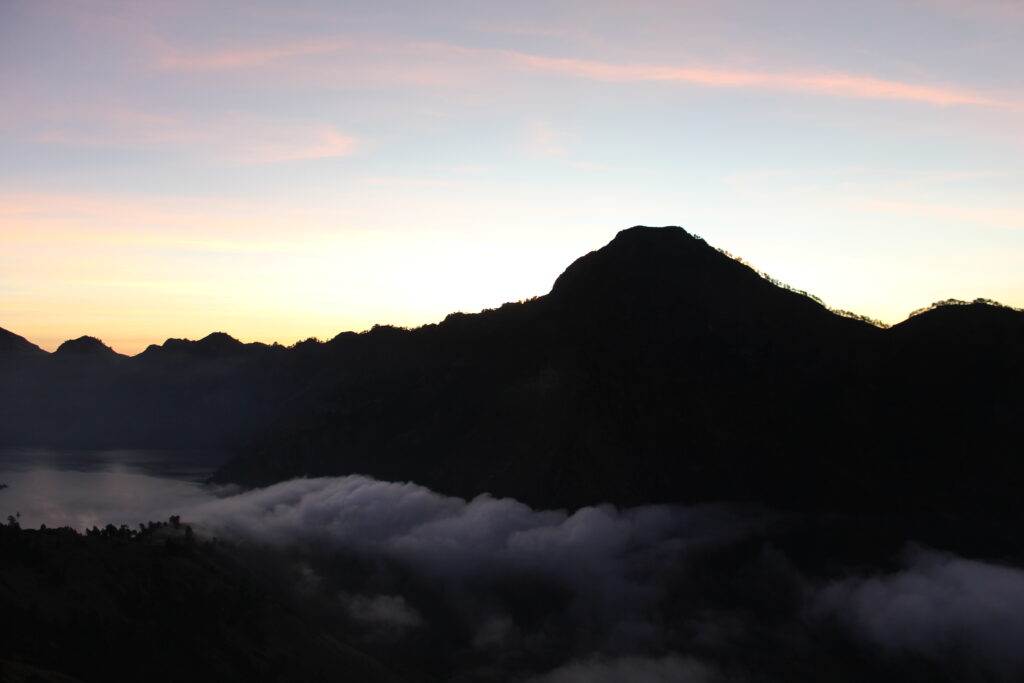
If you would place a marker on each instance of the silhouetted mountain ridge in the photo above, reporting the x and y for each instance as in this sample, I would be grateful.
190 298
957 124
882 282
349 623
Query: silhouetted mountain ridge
212 346
13 347
656 369
86 346
659 369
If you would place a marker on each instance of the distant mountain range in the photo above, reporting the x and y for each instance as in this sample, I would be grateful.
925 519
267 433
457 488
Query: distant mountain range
657 369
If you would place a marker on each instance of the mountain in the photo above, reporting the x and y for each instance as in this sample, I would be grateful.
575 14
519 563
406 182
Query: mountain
14 348
202 394
657 369
647 351
87 347
217 345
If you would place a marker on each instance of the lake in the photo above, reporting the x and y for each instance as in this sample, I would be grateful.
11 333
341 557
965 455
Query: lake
186 465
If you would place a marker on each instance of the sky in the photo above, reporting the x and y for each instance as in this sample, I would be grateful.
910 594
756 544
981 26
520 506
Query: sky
279 171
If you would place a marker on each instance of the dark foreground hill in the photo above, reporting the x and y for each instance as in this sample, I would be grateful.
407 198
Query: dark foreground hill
657 369
497 593
120 605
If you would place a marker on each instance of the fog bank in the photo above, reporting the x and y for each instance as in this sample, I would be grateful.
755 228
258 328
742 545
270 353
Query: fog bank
491 589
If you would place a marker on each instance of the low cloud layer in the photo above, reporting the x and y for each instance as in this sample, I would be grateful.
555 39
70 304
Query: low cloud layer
510 577
941 607
492 590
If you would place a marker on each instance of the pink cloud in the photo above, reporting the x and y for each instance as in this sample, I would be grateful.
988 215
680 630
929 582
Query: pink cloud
141 222
244 58
427 182
115 125
1007 218
323 143
439 63
543 140
836 84
525 29
363 62
227 138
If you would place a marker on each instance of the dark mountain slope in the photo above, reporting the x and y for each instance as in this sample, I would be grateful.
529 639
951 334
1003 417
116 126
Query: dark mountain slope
953 409
659 369
656 369
961 365
710 371
14 348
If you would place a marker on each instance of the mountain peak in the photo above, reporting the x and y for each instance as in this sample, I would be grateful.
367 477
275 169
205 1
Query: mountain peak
219 342
964 323
651 235
212 346
85 346
640 256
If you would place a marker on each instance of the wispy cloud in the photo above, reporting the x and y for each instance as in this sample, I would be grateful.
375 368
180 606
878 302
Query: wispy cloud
323 143
116 125
226 138
544 140
177 58
62 220
314 63
846 179
1003 218
428 182
831 84
526 29
431 62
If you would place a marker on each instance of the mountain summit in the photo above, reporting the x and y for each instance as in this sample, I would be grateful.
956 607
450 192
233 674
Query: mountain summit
86 346
664 281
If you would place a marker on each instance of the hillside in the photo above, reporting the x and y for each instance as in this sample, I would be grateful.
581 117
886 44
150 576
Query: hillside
120 605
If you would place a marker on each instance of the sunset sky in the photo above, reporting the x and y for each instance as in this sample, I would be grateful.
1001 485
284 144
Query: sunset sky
281 170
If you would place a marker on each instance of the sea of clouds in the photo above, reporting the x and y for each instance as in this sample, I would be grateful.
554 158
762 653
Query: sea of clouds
491 589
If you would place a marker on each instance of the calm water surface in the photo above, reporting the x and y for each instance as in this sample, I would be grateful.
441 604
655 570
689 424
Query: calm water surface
186 465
